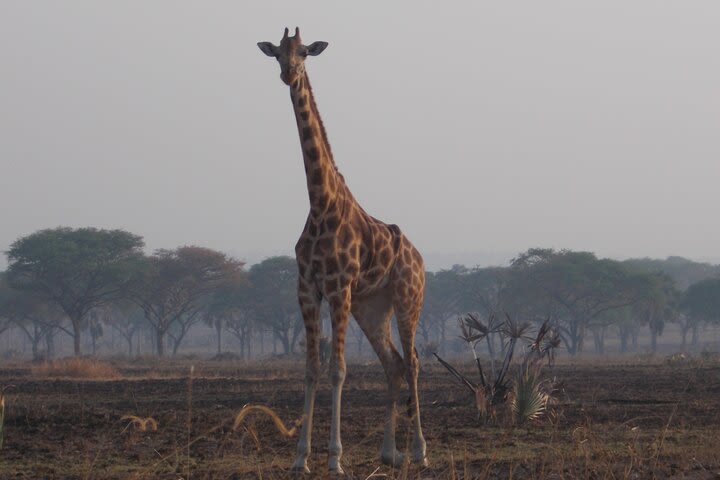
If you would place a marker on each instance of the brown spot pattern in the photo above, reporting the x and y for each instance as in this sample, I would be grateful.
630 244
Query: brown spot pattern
307 134
312 154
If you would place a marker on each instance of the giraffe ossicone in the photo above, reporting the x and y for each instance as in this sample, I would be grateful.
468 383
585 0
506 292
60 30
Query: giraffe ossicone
358 264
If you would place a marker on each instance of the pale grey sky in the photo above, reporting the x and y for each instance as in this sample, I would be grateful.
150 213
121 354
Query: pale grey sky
481 128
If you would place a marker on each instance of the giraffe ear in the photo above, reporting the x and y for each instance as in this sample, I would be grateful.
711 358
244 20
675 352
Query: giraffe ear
268 49
316 48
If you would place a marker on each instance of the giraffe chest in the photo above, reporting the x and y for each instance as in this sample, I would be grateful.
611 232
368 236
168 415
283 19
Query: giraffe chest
330 255
345 257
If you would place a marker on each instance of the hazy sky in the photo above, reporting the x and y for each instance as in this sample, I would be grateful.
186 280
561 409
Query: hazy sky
481 128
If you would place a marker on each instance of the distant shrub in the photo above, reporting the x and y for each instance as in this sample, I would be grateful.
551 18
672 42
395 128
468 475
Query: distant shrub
708 355
79 367
226 357
676 359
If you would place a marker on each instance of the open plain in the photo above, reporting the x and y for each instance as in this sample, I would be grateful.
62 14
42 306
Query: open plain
626 418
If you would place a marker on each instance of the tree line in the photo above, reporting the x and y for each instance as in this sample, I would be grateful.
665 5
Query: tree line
82 282
583 296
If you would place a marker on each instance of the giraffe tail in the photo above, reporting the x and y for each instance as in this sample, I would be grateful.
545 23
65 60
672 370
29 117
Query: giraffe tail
279 424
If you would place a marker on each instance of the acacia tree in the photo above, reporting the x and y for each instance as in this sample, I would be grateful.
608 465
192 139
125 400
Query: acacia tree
229 308
483 289
180 328
172 287
701 303
627 324
443 294
8 297
657 304
274 293
96 318
240 322
127 319
573 288
32 319
683 271
75 269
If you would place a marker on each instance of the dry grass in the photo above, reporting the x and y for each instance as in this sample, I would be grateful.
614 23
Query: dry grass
613 422
77 368
2 418
279 424
140 424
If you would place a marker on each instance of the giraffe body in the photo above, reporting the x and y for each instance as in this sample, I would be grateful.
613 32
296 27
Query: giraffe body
357 263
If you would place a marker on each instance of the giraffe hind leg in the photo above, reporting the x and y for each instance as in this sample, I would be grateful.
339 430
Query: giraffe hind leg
408 282
373 315
406 328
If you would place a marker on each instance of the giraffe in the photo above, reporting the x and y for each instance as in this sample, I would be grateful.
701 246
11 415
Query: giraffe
355 262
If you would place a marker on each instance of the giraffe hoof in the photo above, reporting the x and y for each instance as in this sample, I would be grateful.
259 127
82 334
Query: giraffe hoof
300 468
394 459
334 467
419 453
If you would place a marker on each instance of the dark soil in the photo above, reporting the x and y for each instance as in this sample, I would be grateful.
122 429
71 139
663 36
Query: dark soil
651 420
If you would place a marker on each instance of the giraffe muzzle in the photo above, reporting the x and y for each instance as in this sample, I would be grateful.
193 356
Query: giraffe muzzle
287 76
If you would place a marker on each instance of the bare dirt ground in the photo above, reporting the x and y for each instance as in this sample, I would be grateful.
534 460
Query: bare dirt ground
614 420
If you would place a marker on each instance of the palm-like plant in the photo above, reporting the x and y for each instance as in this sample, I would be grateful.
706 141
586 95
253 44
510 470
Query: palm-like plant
529 400
530 393
528 397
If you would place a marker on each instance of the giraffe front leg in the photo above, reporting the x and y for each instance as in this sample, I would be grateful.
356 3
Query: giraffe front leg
311 317
304 441
335 447
340 306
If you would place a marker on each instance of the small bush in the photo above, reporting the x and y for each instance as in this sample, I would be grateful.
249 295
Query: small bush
76 368
676 359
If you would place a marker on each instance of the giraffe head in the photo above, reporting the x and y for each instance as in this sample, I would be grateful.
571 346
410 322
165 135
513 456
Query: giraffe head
291 55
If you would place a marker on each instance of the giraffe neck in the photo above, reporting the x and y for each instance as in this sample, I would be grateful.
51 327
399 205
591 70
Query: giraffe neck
325 184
